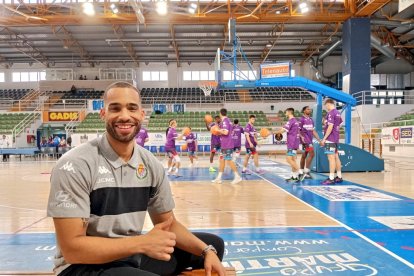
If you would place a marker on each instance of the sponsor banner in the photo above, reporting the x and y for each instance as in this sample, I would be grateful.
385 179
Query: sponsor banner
396 222
275 70
349 193
406 135
390 136
156 139
61 116
81 138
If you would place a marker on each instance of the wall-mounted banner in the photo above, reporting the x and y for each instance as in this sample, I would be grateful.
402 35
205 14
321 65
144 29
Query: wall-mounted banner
275 70
60 116
390 136
406 135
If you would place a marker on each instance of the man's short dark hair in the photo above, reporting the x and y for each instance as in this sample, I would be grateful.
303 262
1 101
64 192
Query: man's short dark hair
236 121
223 112
217 117
329 101
304 108
252 116
290 109
120 84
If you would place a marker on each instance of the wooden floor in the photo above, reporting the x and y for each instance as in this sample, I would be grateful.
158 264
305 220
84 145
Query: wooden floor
25 188
199 204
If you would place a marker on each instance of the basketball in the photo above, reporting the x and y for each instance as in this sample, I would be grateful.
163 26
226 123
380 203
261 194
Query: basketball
264 132
184 147
208 119
278 137
215 130
186 131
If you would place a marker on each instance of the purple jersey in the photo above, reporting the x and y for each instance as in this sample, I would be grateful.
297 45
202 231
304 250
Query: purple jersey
292 128
171 136
236 135
250 131
141 136
306 129
334 118
215 139
226 140
191 141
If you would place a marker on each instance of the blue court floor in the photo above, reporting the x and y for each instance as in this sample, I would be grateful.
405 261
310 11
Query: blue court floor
375 235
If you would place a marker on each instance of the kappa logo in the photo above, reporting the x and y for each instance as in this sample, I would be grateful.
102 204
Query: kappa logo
103 170
68 167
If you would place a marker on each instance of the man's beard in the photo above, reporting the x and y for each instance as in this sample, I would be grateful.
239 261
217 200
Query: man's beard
110 128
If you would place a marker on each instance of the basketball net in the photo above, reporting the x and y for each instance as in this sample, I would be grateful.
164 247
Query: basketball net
207 87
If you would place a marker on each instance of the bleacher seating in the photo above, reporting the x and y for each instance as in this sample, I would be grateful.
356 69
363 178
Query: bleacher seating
82 95
92 123
403 120
13 94
280 94
179 95
9 120
195 119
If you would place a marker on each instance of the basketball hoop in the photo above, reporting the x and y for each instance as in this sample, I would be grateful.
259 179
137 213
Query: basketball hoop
207 87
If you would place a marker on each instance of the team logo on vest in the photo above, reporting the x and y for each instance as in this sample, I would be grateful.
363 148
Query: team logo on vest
142 172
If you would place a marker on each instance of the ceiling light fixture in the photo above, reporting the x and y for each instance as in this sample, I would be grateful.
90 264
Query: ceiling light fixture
88 9
114 9
161 7
192 8
303 7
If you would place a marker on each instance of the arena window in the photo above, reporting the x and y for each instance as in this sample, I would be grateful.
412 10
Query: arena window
155 76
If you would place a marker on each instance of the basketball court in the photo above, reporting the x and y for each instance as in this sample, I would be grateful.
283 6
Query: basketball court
270 227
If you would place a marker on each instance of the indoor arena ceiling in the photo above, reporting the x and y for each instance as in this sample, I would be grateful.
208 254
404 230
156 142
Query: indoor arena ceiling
58 31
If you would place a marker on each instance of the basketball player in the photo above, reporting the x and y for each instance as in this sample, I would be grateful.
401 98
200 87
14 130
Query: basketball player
142 137
173 158
227 147
191 140
215 142
292 128
330 142
236 135
251 143
307 132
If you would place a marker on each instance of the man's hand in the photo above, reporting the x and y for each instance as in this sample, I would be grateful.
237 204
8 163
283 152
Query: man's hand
322 143
251 145
212 263
159 242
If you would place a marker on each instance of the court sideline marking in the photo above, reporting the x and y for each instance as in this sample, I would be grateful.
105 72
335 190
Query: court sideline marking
340 223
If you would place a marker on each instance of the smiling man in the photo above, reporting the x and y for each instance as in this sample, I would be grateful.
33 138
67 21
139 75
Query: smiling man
100 193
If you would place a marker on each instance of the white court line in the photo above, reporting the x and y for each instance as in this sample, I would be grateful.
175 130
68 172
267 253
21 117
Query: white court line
235 212
266 227
19 208
344 225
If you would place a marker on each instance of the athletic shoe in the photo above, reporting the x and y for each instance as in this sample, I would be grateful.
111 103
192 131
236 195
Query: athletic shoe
236 180
328 182
246 172
211 169
301 176
304 176
260 171
293 180
308 176
217 180
338 179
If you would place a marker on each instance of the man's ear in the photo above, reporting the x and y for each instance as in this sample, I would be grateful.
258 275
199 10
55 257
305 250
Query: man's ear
102 114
